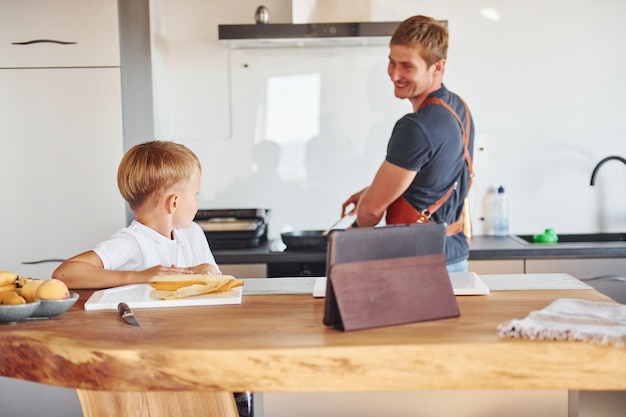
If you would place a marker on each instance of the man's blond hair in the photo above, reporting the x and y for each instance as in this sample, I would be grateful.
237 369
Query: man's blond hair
148 170
426 34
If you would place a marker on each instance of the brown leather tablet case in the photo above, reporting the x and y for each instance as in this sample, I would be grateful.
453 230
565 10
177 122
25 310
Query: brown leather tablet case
386 276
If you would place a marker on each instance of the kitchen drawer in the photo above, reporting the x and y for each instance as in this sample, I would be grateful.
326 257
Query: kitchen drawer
85 33
245 270
497 266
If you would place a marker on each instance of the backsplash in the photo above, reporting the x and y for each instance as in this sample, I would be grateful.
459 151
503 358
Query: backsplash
299 130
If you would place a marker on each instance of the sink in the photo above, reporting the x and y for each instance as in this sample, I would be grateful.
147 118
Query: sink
582 238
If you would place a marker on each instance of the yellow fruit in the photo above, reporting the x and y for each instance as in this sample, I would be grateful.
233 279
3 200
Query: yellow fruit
7 287
7 277
52 289
12 298
29 289
3 295
176 281
22 280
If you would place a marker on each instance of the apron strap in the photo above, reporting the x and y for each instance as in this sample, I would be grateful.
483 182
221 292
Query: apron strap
402 212
465 130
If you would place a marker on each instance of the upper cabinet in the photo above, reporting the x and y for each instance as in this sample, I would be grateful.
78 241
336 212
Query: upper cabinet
59 33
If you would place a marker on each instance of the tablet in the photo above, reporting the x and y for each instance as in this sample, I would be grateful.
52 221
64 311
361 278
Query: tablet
377 243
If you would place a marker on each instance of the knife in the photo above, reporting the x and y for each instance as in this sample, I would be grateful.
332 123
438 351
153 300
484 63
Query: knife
127 314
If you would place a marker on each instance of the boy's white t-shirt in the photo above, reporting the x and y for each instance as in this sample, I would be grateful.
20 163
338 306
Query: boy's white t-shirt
138 247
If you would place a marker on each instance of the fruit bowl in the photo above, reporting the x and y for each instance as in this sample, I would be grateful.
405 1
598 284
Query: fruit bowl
39 309
17 312
51 308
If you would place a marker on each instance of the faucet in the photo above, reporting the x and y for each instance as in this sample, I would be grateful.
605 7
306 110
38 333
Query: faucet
595 170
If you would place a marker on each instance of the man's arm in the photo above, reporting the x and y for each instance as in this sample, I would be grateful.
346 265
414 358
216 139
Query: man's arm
389 184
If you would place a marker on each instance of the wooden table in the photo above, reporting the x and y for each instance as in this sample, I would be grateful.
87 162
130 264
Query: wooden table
185 360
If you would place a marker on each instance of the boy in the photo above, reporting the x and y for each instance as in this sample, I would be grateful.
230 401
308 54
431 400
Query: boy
160 181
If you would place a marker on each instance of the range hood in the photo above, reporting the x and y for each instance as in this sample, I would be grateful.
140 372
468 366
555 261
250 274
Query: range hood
274 35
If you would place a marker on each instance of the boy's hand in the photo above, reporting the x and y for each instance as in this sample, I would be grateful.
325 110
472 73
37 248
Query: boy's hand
206 269
165 270
173 269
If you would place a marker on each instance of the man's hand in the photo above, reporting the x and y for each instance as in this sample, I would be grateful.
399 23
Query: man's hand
353 199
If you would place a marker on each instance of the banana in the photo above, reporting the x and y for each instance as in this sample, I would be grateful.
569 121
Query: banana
22 280
11 297
7 277
8 287
7 294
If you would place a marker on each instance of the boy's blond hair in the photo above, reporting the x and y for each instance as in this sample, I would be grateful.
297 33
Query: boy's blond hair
150 169
426 34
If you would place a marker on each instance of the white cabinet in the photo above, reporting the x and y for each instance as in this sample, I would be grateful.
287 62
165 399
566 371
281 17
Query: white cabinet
497 266
61 133
580 268
59 33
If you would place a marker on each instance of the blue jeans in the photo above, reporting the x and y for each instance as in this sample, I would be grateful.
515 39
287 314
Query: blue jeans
458 267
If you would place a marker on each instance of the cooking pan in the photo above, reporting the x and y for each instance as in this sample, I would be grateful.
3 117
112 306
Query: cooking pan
305 239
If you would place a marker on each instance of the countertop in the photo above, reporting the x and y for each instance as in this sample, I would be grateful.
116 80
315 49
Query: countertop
481 248
199 355
226 348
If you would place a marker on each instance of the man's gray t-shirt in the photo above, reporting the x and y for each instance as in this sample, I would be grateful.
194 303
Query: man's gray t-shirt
430 142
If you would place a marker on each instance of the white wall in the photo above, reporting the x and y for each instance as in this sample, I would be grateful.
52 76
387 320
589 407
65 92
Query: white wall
544 81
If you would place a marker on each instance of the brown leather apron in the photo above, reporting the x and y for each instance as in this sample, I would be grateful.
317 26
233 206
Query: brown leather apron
402 212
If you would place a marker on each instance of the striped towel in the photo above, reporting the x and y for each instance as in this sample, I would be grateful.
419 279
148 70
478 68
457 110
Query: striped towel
572 320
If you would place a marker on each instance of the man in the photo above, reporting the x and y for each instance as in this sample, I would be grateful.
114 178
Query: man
427 171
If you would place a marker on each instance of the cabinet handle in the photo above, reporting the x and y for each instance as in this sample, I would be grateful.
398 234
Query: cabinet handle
42 261
43 41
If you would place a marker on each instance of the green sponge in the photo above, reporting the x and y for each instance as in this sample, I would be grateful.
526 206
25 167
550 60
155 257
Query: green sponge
548 236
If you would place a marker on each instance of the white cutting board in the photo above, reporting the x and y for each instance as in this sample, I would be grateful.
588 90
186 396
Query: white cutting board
144 296
463 283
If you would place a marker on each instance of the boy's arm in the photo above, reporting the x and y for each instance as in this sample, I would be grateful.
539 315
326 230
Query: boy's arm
86 271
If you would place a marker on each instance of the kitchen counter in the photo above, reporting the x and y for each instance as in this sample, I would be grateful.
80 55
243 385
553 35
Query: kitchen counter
512 247
198 355
481 248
